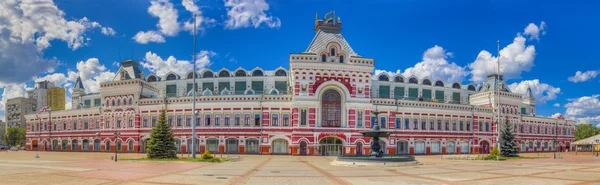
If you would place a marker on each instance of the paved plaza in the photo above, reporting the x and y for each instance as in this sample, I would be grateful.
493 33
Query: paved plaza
97 168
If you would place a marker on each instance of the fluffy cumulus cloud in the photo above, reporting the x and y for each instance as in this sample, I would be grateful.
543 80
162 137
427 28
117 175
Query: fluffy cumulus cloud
92 73
159 66
583 76
556 115
168 23
249 13
535 31
515 57
11 91
27 28
541 92
556 105
435 65
584 109
108 31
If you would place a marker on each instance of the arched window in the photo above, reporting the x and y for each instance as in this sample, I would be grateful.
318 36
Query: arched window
341 58
118 102
130 101
224 73
113 102
171 77
456 86
471 88
323 58
439 83
107 103
257 73
191 75
331 108
208 74
280 72
426 82
332 53
152 79
240 73
413 80
399 79
384 78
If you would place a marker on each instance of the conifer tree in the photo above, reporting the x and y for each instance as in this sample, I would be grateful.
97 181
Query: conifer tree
162 143
509 146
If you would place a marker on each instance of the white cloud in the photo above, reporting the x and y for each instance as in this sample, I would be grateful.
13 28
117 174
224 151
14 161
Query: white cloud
436 66
155 64
534 31
12 91
584 109
167 16
515 58
92 73
59 79
201 22
541 91
27 28
148 36
556 115
556 105
583 76
249 13
108 31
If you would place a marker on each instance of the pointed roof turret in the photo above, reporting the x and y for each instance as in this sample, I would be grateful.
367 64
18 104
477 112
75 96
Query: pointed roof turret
78 83
529 94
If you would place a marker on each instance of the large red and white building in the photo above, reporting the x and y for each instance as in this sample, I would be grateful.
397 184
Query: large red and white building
317 106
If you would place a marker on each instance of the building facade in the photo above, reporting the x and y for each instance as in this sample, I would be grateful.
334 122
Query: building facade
3 129
317 106
55 98
16 109
40 93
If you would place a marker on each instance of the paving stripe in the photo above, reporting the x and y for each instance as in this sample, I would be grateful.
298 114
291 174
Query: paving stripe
160 175
334 179
244 178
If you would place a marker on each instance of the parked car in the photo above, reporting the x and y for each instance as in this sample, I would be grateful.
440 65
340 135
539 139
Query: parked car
3 147
22 148
12 148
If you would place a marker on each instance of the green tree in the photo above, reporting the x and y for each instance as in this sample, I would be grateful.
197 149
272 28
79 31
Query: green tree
508 145
162 143
14 136
583 131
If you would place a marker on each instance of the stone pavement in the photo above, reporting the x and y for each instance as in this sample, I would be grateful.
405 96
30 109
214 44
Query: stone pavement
96 168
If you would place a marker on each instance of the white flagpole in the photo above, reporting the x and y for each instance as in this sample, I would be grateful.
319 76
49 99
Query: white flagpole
498 92
194 96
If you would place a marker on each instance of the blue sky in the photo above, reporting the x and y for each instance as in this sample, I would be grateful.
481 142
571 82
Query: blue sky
398 34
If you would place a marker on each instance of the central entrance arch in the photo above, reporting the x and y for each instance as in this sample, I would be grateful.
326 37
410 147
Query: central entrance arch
485 147
331 146
303 150
331 103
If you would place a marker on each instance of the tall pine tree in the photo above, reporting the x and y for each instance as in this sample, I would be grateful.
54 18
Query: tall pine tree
508 145
162 142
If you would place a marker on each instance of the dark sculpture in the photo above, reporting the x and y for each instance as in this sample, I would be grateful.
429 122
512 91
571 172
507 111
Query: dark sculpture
375 134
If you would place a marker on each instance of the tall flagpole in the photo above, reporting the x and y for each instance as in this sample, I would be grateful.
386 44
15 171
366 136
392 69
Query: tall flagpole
194 96
498 93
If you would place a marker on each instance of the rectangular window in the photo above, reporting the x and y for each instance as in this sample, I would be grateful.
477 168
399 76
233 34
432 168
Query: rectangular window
217 120
170 120
281 86
223 86
286 120
106 123
97 124
97 102
398 122
423 124
153 121
207 120
398 92
383 122
190 87
247 120
413 93
198 120
119 123
406 124
469 126
240 87
256 119
208 86
145 122
431 124
85 124
227 119
480 126
439 126
74 125
460 125
179 120
447 125
439 96
426 94
456 98
373 119
303 118
130 122
87 103
487 126
454 125
188 120
384 91
236 120
171 90
275 120
416 124
523 110
258 87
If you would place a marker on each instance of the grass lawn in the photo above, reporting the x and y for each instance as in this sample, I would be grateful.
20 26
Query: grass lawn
213 160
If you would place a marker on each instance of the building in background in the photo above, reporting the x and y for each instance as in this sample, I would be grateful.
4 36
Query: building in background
3 129
40 93
317 106
55 98
16 109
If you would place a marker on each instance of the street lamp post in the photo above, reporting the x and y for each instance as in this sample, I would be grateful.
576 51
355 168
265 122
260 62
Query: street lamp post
117 135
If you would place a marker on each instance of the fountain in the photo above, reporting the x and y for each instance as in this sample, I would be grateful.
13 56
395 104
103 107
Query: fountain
376 156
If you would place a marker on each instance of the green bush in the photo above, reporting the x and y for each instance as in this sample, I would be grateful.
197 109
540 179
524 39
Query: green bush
206 155
494 154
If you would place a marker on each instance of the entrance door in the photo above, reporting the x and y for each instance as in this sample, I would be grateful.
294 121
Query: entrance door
303 150
359 149
419 147
280 146
232 146
485 147
251 146
331 146
402 147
